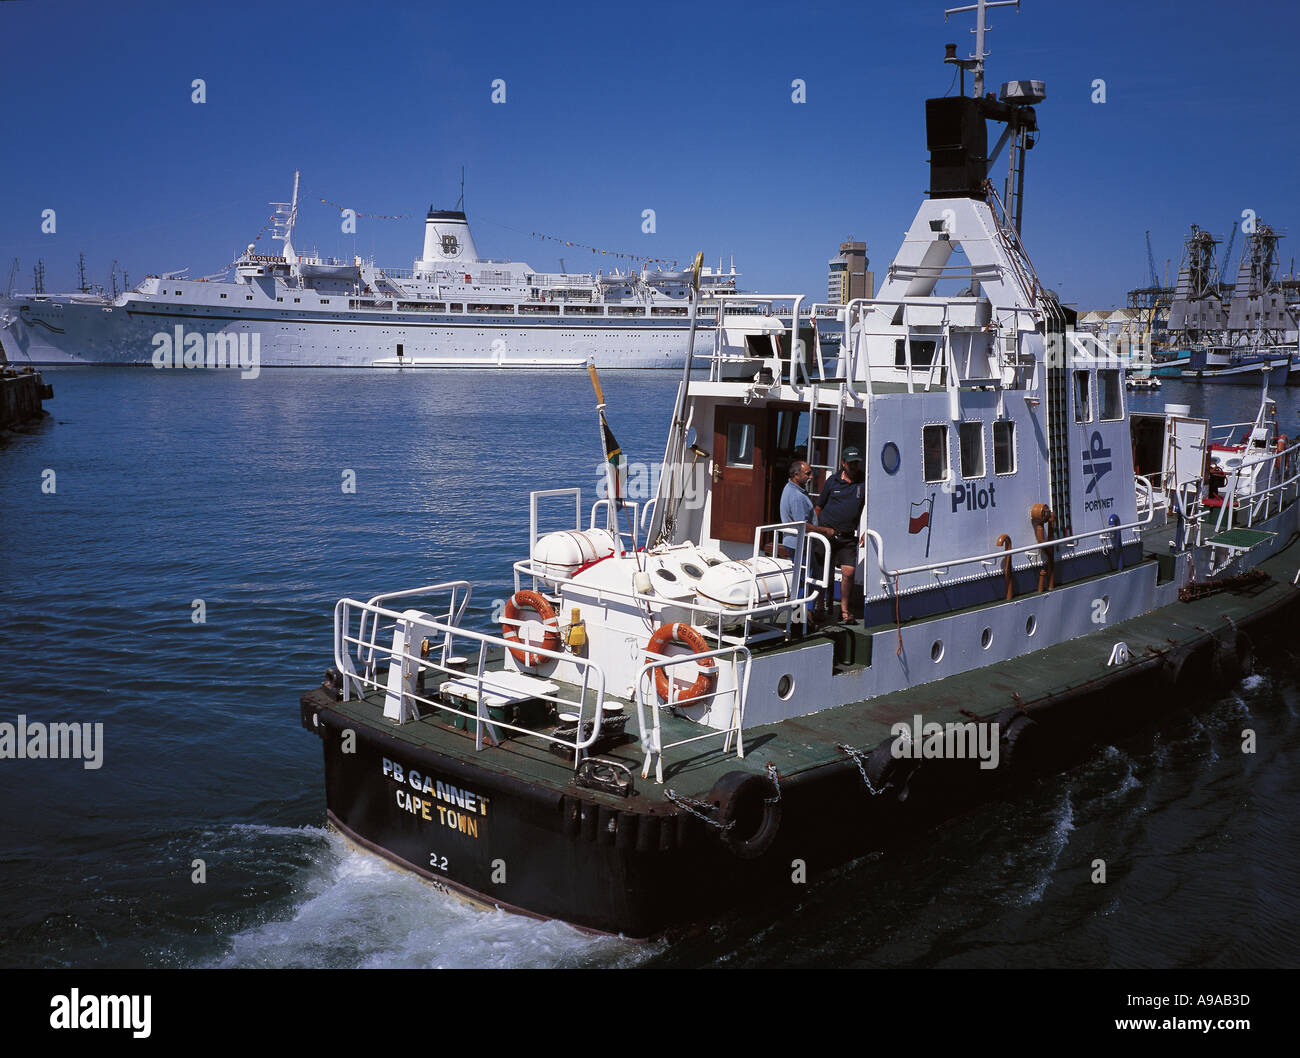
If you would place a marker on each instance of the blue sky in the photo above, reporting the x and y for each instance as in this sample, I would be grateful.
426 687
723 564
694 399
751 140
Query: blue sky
614 108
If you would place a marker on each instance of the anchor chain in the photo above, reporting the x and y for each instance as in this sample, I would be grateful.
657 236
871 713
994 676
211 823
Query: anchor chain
696 808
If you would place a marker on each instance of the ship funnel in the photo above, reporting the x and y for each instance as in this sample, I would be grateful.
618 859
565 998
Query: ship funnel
447 240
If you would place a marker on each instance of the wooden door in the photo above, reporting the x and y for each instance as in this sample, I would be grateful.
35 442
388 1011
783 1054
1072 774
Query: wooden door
739 473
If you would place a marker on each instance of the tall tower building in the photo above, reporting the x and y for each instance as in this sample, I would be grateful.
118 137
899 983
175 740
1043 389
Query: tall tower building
848 277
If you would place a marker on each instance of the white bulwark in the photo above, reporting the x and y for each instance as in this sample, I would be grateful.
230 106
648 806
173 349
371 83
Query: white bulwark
453 308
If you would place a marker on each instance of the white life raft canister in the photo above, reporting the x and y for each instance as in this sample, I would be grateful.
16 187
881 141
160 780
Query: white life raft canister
563 553
746 582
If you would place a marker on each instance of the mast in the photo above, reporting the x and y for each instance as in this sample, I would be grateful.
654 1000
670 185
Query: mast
976 61
1014 106
286 216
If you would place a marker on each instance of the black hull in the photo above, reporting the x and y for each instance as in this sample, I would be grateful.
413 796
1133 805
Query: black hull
642 867
601 863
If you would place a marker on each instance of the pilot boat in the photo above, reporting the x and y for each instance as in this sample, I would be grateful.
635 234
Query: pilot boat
659 728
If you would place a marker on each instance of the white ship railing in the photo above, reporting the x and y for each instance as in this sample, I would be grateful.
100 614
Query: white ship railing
796 367
803 589
1258 503
646 694
415 664
458 592
940 568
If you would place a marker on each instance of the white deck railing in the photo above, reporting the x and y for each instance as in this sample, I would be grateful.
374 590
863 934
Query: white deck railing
589 692
652 734
940 568
1259 503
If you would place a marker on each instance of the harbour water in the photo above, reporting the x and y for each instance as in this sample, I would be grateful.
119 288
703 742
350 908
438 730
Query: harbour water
177 586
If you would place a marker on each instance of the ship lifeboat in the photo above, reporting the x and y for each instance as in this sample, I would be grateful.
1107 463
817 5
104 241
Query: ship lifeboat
738 585
677 573
562 554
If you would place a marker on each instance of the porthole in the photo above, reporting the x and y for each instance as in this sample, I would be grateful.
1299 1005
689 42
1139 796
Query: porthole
936 651
986 638
666 574
692 570
1031 626
785 687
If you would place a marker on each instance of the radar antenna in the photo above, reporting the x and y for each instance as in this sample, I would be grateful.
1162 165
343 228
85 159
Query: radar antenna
976 61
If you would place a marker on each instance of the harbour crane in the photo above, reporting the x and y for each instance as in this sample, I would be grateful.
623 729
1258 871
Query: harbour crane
1224 278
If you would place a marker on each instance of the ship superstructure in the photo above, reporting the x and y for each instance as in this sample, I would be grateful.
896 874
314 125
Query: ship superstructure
452 308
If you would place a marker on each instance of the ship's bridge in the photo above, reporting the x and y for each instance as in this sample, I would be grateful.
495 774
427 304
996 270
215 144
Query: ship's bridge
961 296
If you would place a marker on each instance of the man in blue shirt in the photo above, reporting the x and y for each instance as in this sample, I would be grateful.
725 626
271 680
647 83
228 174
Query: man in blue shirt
839 506
796 506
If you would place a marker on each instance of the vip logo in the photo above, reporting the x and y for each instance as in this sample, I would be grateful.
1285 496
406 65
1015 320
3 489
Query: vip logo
1096 461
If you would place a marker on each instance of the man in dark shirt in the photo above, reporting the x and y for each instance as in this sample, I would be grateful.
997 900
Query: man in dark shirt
839 506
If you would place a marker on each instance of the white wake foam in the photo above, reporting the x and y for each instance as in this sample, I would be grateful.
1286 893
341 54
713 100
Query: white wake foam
354 910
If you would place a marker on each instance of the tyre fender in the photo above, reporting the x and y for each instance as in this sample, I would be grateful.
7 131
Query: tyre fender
749 811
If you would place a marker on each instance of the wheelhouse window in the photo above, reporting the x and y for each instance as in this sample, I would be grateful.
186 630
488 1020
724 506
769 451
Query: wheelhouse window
1108 396
1082 405
934 444
970 438
740 444
922 353
1004 447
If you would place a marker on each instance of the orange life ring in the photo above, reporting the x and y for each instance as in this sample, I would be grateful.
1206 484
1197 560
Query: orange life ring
687 637
535 601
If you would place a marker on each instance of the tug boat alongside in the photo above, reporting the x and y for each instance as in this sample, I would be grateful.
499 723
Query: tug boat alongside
660 728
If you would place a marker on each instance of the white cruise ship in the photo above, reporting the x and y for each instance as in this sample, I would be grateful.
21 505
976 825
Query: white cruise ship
453 309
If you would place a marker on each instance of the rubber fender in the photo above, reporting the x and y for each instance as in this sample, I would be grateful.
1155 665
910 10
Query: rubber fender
1021 742
590 820
647 834
606 825
684 830
572 816
668 833
749 811
1171 670
891 773
1233 660
625 837
1186 667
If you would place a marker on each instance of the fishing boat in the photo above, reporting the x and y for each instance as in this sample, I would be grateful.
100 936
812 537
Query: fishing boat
692 703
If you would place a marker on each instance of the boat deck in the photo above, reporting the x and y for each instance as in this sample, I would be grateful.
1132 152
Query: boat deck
1053 675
